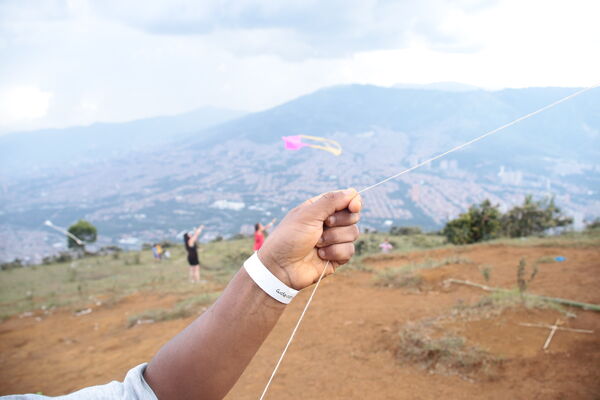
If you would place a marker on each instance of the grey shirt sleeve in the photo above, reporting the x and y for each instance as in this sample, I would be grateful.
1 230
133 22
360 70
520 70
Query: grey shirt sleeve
133 387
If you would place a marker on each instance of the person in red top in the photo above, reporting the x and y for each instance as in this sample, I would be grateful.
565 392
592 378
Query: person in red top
259 234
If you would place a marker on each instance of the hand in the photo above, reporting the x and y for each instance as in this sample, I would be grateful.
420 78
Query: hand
321 229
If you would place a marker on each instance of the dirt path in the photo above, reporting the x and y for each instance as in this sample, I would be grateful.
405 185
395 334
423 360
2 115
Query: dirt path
345 347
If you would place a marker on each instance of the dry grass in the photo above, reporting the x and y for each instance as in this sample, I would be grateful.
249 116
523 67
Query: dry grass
448 354
407 275
397 278
546 260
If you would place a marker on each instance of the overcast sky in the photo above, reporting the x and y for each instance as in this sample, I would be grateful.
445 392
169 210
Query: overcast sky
71 62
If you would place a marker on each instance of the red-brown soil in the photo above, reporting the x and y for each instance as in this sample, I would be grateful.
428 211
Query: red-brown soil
344 348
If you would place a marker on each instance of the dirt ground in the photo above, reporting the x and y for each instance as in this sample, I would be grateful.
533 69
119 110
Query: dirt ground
345 347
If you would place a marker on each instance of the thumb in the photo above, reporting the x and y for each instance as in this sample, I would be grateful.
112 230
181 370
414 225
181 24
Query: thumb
324 205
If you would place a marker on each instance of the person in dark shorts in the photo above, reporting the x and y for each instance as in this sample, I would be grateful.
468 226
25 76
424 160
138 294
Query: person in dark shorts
205 360
192 253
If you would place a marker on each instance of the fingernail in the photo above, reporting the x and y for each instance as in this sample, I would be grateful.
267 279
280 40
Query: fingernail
321 253
331 220
321 240
349 192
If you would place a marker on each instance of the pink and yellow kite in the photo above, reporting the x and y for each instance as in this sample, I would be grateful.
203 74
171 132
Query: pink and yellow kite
299 141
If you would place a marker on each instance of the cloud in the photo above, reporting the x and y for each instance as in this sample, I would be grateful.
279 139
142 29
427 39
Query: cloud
115 60
20 104
319 28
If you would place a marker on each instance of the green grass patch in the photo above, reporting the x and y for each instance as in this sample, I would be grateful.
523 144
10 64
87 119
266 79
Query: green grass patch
368 243
79 283
585 239
512 298
92 279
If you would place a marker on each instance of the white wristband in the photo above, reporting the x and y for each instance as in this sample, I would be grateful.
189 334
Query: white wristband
267 281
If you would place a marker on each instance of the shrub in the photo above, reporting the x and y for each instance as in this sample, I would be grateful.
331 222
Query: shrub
485 222
405 230
593 226
16 263
481 222
522 280
368 245
533 217
486 272
112 249
63 256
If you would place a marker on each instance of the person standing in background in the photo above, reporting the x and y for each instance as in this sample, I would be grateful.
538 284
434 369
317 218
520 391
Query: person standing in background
155 252
192 253
259 234
159 251
386 246
206 359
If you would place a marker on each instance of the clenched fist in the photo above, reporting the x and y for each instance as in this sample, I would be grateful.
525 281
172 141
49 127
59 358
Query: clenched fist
318 233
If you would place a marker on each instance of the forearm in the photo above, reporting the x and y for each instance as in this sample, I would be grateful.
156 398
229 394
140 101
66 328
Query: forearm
196 235
206 359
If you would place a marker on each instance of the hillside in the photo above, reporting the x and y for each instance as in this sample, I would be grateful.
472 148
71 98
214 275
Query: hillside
366 335
22 153
231 175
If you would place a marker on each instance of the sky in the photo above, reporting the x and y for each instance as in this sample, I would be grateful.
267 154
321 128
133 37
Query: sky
76 62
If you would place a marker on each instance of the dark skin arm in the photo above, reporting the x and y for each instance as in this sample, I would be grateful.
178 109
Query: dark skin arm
206 359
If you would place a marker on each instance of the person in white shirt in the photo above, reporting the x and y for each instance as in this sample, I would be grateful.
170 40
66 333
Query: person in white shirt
206 359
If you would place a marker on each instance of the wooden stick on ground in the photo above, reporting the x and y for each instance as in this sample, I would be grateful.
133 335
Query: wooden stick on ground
553 329
551 334
560 328
573 303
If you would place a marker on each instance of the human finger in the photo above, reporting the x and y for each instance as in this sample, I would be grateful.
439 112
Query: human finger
355 205
342 218
339 253
328 203
342 234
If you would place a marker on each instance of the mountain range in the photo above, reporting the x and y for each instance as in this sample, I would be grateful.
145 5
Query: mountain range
228 170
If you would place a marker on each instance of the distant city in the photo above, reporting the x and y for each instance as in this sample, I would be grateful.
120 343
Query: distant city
231 175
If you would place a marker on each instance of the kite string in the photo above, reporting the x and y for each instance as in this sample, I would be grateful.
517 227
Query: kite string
489 133
289 342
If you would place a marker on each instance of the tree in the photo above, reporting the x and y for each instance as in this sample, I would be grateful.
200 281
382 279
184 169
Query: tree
533 217
481 222
84 231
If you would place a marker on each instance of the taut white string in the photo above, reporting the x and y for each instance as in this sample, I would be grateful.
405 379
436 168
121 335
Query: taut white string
477 139
452 150
262 396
